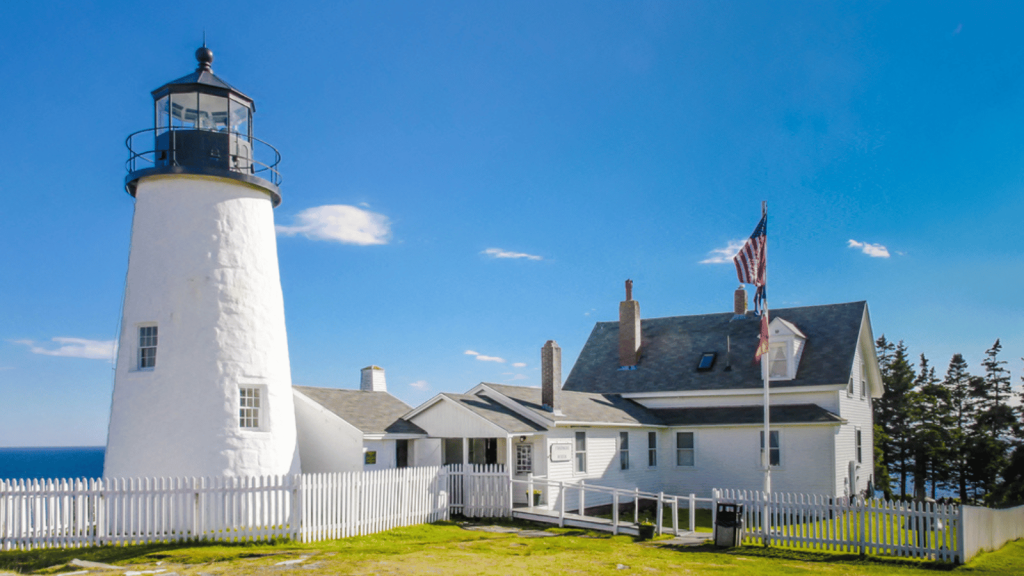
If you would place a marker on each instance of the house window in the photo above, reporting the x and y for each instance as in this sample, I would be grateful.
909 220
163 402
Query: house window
684 449
707 361
370 457
624 450
524 458
774 454
147 347
581 452
248 407
859 460
849 388
863 385
652 448
778 364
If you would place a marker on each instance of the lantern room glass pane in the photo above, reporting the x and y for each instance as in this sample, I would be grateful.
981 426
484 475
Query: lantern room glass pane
163 115
183 110
213 112
240 115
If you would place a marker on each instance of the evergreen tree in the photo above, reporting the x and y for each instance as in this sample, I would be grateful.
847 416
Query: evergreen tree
892 410
963 411
930 418
995 422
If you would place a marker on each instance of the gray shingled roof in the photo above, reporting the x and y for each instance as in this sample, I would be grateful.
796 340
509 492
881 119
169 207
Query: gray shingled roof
370 412
672 347
781 414
582 406
495 413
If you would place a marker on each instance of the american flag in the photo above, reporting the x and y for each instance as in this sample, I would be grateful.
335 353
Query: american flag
751 261
762 346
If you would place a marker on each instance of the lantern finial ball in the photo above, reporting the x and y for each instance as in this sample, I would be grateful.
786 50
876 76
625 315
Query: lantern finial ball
205 57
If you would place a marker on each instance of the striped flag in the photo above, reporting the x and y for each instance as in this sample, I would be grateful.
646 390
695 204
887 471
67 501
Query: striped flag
751 261
762 345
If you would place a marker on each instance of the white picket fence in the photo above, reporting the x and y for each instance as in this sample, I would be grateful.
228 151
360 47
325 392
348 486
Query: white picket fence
818 522
307 508
479 490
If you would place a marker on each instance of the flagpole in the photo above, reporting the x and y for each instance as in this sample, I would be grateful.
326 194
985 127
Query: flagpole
765 359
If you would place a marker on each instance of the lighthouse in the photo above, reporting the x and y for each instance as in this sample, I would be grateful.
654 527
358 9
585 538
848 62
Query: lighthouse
202 385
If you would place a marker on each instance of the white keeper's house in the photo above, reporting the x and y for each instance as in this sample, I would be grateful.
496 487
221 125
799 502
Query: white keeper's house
676 405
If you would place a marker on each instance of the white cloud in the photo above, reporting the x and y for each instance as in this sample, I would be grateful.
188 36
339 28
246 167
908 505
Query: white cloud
75 348
420 385
483 358
517 377
499 253
723 255
873 250
520 365
340 223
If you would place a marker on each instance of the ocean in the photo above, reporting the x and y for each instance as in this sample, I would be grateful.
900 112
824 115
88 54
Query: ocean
77 462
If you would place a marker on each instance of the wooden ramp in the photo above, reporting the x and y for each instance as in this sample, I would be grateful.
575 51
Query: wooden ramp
543 515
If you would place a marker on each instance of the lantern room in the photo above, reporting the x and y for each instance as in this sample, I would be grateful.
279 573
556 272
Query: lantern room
203 125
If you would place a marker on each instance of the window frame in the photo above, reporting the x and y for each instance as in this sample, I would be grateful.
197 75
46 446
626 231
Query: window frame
258 412
524 458
692 450
778 449
143 344
579 465
652 449
858 444
624 450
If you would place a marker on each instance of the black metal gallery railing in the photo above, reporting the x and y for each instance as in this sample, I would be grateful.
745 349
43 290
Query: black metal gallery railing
204 150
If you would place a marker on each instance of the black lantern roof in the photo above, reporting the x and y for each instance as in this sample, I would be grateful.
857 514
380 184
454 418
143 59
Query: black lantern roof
203 80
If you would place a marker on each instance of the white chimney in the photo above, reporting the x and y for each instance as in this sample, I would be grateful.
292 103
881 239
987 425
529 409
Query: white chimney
372 380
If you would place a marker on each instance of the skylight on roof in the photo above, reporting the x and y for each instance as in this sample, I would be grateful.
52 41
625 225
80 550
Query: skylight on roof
707 361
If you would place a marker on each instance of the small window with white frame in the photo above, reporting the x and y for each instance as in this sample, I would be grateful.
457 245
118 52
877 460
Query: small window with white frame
859 445
863 383
581 453
147 347
775 451
849 388
685 449
524 458
249 407
623 450
652 449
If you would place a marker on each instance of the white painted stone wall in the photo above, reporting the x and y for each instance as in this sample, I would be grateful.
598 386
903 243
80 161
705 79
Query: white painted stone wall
326 442
203 268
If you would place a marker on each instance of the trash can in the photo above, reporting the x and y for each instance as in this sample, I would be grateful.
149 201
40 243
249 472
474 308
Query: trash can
728 525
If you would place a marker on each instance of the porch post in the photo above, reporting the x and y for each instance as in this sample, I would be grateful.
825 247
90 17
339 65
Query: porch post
509 467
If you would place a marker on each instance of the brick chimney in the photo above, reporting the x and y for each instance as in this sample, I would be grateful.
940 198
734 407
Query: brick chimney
629 328
739 301
372 379
550 375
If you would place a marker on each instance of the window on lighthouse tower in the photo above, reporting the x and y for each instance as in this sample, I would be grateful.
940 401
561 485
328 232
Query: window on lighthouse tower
147 347
249 407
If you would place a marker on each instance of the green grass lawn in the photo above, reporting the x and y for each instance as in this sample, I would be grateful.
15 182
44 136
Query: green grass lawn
448 549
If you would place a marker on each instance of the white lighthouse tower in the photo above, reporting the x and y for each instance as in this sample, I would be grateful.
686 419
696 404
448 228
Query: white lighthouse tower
203 382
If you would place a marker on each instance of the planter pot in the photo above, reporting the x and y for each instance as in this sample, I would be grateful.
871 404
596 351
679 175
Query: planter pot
646 531
536 499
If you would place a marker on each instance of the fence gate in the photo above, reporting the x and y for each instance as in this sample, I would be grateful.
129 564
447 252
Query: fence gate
479 490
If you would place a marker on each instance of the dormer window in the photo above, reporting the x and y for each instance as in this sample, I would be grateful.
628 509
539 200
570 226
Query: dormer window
785 349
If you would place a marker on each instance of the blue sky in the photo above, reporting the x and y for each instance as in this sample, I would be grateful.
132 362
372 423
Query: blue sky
483 176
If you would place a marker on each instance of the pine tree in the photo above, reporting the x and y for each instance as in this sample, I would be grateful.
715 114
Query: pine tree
892 410
994 423
963 411
930 420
